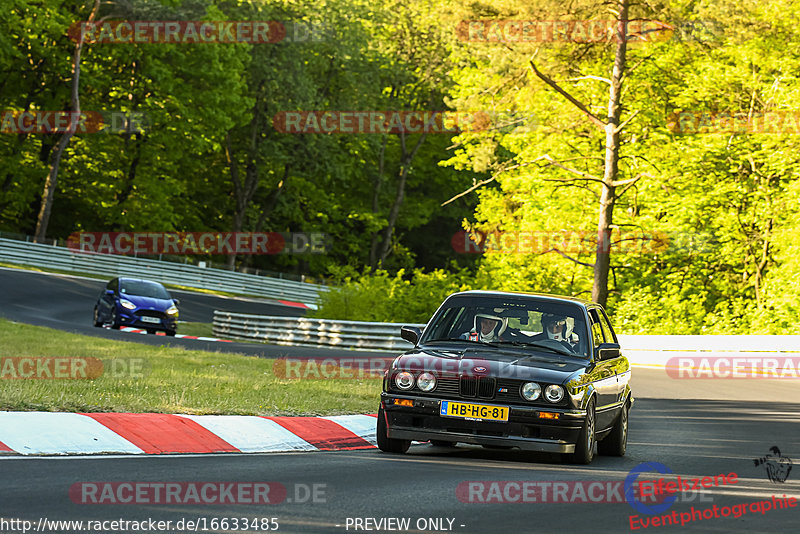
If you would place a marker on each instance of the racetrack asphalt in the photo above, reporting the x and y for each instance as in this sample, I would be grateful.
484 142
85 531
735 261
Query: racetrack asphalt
66 303
693 438
695 428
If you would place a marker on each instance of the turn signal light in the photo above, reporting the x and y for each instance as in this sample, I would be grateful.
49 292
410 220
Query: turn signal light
404 402
548 415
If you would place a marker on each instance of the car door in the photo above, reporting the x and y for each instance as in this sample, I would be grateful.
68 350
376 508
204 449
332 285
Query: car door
622 368
605 373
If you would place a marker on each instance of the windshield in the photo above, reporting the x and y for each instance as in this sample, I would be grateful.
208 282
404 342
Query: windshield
141 288
540 323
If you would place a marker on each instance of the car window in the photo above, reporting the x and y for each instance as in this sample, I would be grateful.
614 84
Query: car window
112 285
597 328
611 337
517 319
141 288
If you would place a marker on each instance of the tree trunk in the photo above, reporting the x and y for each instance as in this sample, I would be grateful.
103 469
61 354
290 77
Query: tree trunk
376 190
52 176
602 261
394 212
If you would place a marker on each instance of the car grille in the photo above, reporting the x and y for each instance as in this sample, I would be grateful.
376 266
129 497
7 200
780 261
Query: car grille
512 390
151 313
480 386
447 386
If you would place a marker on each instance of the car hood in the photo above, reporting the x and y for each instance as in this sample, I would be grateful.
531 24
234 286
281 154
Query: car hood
148 302
499 363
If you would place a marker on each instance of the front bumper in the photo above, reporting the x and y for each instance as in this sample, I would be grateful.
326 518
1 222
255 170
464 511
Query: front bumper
524 428
131 318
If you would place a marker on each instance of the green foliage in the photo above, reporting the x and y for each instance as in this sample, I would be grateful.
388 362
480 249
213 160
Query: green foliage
382 297
727 204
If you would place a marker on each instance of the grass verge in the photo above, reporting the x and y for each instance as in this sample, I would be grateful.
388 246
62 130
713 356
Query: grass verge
166 380
196 329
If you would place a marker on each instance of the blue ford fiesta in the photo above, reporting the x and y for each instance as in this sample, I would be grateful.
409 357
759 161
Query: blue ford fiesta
137 303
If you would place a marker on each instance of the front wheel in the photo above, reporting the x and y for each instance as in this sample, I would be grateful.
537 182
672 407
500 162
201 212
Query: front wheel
96 319
385 443
616 442
114 320
171 333
584 449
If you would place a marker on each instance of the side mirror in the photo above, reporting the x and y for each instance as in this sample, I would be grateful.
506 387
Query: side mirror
410 334
109 291
176 301
607 351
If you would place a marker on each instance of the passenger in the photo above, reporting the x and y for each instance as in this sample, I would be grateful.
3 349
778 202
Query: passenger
487 328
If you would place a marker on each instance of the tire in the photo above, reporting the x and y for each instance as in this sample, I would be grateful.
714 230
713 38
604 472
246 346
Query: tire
440 443
151 331
385 443
96 318
114 320
171 333
584 449
616 442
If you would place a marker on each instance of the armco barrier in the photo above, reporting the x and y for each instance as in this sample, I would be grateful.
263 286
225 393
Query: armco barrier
359 335
49 256
278 330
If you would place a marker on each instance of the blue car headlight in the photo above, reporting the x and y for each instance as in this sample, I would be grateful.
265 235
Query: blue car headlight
125 303
172 310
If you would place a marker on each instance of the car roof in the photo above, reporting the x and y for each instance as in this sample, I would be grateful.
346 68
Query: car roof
540 296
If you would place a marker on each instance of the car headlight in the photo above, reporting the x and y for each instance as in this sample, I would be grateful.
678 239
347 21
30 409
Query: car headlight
426 382
404 380
531 391
127 304
554 393
172 310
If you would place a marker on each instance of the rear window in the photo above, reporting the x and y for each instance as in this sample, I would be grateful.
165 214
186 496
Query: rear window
143 289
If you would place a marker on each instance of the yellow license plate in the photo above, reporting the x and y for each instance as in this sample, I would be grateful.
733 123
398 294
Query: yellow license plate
479 412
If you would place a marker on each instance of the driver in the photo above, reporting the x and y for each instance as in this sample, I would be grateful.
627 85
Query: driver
556 328
487 328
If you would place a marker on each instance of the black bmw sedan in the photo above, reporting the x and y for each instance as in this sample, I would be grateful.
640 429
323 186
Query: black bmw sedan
499 369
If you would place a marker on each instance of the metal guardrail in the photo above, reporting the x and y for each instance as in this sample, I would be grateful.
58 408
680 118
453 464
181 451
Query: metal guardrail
359 335
49 256
356 335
